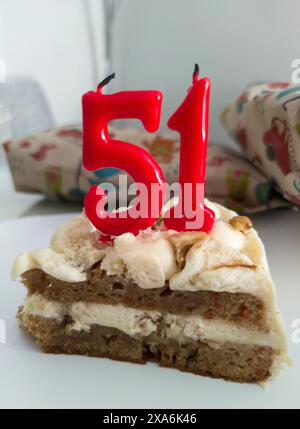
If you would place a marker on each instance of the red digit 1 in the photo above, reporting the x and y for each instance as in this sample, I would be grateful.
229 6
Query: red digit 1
100 151
191 121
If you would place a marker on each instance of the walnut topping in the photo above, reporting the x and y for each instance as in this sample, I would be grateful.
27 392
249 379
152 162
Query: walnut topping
241 223
183 242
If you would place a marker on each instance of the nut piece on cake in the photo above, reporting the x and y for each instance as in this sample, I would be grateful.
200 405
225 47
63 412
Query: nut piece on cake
202 303
183 242
241 223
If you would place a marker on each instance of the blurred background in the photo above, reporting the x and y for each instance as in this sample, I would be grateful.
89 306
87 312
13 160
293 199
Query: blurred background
154 44
52 51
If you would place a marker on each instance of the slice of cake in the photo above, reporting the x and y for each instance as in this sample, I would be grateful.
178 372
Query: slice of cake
202 303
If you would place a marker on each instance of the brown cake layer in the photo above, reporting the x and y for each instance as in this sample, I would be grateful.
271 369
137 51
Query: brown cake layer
236 362
241 308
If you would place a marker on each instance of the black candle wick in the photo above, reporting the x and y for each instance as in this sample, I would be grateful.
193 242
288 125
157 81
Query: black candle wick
106 80
196 73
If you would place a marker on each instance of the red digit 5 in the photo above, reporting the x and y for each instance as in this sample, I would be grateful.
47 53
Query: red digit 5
100 151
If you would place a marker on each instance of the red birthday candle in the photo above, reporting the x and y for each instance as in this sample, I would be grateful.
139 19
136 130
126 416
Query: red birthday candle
191 120
100 151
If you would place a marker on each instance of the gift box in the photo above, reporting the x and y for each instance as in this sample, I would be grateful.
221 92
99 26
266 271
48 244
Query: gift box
265 121
51 163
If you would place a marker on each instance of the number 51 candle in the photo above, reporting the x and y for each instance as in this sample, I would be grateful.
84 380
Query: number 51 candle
99 151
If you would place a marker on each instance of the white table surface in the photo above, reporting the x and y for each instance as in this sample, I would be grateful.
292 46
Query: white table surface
17 204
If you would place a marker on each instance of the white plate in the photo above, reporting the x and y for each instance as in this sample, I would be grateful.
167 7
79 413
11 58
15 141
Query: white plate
29 378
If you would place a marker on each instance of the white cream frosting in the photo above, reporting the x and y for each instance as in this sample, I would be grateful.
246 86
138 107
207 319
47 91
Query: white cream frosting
135 322
73 249
149 258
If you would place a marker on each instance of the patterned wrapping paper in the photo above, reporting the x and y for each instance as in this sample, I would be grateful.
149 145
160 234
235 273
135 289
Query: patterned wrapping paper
265 122
51 163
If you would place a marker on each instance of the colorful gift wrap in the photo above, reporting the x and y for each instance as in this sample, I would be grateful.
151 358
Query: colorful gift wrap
265 122
51 163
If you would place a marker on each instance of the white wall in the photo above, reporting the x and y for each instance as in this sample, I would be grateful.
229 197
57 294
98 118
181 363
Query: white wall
49 41
155 46
236 42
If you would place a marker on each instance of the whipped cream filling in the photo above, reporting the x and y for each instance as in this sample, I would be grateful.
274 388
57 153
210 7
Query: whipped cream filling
136 322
